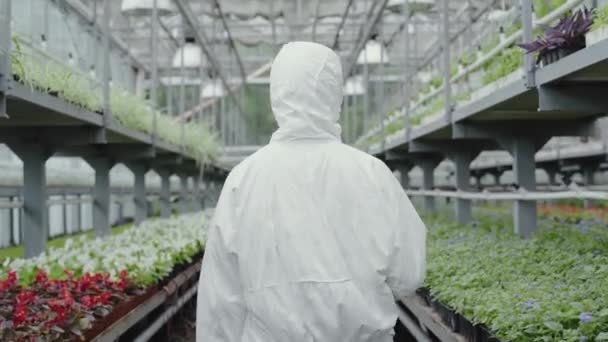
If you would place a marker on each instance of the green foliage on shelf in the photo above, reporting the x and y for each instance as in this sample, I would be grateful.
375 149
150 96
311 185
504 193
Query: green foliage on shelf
600 18
394 127
512 28
467 59
551 287
502 65
489 44
543 7
49 76
129 110
437 81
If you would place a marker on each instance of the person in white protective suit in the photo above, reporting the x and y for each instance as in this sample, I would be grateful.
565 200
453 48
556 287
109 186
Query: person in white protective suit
311 240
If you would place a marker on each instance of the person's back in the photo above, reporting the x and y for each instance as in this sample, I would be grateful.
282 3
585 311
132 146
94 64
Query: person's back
312 240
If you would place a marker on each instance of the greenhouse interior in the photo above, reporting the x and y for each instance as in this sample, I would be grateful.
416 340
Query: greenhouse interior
128 126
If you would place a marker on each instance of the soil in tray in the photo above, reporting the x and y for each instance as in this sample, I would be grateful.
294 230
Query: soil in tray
457 322
118 312
124 308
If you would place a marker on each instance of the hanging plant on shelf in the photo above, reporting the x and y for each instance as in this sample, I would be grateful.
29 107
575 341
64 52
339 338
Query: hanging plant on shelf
566 37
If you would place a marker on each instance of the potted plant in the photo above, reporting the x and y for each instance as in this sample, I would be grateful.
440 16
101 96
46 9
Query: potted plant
566 37
599 29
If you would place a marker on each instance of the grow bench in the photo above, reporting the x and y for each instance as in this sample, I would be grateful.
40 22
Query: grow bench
141 317
429 320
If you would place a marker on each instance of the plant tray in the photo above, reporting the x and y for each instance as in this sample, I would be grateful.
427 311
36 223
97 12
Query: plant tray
596 36
455 321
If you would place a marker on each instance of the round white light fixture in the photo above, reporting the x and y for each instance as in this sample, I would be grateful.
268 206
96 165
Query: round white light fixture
145 7
498 15
213 89
373 53
354 86
414 5
424 76
193 56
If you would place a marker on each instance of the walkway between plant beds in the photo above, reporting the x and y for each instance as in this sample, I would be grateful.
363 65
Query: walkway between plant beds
15 252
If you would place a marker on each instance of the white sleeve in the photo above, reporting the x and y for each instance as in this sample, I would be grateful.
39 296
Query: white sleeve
220 303
407 248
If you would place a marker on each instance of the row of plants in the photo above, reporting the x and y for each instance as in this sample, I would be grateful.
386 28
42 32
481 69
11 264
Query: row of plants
552 43
550 287
64 292
129 110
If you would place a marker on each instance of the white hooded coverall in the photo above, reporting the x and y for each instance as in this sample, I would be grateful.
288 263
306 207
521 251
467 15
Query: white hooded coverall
312 240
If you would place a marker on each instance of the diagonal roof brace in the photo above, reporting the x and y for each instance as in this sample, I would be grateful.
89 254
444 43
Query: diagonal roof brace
231 42
192 20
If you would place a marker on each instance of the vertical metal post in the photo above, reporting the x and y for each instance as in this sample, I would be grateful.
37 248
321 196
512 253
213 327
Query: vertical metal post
78 213
154 53
5 59
34 222
404 170
107 73
183 203
101 195
589 179
165 193
445 42
196 194
428 183
524 211
182 92
406 57
381 106
366 86
11 225
462 161
527 26
64 209
139 191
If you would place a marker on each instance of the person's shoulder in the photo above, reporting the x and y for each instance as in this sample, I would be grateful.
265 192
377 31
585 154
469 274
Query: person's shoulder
238 170
362 157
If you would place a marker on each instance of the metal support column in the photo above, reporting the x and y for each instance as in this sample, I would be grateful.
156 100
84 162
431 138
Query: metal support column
165 192
139 191
428 182
196 194
184 193
462 161
404 170
406 54
524 212
589 179
101 195
445 42
5 58
35 212
528 36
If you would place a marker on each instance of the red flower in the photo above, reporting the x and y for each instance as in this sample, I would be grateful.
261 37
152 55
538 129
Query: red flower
20 315
87 301
41 277
25 297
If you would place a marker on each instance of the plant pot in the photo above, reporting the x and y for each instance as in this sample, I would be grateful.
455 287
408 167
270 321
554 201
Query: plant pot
484 334
557 54
425 294
466 328
596 36
16 78
53 93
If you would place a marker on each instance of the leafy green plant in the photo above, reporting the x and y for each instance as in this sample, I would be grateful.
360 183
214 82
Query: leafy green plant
437 81
547 288
502 65
600 18
512 28
489 44
467 59
543 7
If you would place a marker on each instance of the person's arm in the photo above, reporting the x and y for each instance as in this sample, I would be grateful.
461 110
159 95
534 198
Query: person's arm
220 306
406 263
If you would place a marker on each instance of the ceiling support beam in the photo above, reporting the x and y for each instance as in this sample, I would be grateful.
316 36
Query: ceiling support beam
336 43
366 31
231 42
192 20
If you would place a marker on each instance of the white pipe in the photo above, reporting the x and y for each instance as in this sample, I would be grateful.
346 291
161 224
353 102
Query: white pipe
513 196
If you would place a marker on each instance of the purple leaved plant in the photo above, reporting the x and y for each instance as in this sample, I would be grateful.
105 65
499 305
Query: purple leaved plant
567 36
